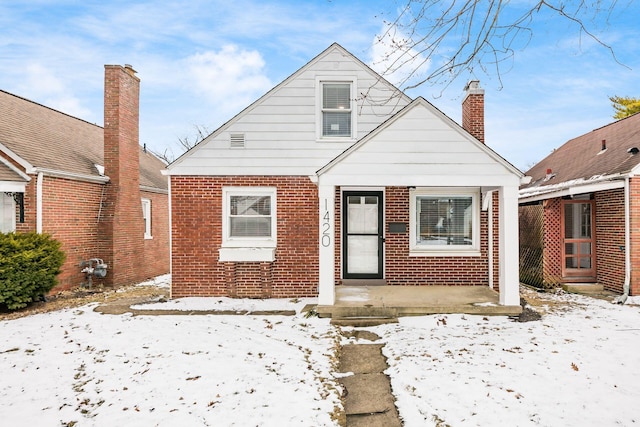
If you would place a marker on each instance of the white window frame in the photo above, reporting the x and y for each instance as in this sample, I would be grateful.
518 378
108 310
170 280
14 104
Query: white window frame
320 82
146 215
227 240
8 212
415 249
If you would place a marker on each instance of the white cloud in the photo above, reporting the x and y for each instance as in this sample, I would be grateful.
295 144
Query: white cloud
232 76
393 57
43 85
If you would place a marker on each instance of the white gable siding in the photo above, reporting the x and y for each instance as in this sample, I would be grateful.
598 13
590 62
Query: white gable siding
280 129
419 149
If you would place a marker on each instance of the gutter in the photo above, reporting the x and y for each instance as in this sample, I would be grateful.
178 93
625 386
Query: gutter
627 246
72 175
571 188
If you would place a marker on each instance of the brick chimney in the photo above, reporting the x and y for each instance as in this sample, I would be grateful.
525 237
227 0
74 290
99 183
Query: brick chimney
473 110
121 223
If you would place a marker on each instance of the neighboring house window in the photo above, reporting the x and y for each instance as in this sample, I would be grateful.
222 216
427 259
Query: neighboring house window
7 213
249 218
146 214
336 110
445 222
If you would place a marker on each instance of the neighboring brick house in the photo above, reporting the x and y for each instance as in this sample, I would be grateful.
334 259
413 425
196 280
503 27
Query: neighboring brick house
335 177
94 189
588 194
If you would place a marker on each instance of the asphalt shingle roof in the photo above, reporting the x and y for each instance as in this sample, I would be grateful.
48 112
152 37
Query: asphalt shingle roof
584 158
49 139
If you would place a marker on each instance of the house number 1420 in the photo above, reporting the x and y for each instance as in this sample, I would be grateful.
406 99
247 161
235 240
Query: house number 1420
326 226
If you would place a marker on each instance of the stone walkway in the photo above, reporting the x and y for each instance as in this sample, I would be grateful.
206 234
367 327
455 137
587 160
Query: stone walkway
368 399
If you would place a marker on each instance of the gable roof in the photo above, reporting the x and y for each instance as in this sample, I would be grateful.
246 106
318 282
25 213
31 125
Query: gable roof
318 58
41 138
582 160
459 135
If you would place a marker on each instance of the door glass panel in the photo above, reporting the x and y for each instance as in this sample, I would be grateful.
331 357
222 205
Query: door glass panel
363 218
577 221
570 248
585 248
362 255
571 262
371 200
585 223
585 262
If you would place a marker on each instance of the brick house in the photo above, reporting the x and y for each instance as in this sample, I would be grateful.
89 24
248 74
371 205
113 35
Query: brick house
92 188
588 195
335 177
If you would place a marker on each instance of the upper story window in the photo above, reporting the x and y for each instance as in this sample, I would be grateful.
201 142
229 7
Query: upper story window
336 110
249 218
445 222
146 216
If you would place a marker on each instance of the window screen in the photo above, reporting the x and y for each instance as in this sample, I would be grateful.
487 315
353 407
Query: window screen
444 220
336 109
250 216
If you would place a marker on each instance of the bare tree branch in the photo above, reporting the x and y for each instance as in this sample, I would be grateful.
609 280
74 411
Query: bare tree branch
435 41
185 144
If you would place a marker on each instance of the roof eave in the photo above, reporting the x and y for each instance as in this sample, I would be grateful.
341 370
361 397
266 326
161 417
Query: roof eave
572 188
100 179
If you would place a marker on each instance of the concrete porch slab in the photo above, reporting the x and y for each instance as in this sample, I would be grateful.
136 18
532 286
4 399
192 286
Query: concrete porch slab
419 300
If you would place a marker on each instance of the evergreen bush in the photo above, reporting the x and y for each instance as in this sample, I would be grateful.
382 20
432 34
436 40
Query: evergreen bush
29 264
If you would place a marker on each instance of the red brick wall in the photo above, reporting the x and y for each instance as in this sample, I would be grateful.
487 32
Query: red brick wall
552 235
156 249
610 239
70 215
496 241
197 236
338 236
401 269
634 196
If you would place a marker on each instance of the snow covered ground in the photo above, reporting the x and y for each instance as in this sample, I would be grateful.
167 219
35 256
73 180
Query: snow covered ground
578 366
78 367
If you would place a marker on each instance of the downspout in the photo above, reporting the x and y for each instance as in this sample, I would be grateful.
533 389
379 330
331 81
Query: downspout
39 202
627 245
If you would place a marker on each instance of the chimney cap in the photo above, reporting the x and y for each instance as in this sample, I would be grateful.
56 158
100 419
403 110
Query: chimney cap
129 69
473 87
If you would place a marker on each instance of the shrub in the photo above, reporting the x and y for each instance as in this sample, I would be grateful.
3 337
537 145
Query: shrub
29 264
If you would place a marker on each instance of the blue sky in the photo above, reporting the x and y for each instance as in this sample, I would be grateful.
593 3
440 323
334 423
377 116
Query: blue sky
201 62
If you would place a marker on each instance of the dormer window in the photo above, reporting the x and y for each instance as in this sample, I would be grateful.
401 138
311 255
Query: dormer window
336 110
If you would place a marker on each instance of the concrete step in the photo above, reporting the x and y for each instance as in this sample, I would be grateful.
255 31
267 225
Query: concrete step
362 322
363 311
364 282
583 288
